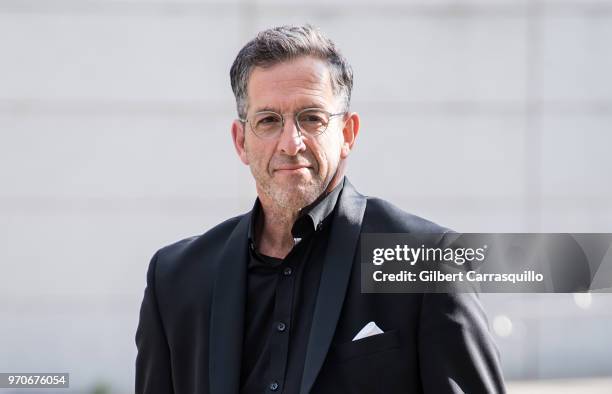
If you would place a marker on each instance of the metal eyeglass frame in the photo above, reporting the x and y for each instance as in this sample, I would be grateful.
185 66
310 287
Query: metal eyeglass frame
295 120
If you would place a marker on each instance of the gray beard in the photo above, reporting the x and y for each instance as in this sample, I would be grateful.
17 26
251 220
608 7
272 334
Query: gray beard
293 200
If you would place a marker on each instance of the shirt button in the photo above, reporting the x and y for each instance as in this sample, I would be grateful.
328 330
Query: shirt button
274 386
281 326
287 271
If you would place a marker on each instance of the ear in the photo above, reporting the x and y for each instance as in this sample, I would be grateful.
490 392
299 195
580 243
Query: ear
238 138
349 134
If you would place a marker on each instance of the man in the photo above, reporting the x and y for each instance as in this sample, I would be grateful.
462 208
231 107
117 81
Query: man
270 301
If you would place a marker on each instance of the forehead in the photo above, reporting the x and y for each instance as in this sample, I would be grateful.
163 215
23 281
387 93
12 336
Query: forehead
290 85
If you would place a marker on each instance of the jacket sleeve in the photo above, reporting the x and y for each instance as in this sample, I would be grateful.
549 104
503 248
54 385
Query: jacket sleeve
456 351
153 368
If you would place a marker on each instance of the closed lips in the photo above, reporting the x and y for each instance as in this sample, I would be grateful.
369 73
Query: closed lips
292 167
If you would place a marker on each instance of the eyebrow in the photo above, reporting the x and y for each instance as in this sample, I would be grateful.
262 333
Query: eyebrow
309 105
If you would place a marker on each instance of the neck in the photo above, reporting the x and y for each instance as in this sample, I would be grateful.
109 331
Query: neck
274 228
276 222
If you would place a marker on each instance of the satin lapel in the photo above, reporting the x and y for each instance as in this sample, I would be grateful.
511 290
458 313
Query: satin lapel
334 280
227 312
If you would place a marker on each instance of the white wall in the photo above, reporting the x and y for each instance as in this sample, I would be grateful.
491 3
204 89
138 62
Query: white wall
114 141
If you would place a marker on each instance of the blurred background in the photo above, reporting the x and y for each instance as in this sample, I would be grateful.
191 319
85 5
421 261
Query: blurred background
484 116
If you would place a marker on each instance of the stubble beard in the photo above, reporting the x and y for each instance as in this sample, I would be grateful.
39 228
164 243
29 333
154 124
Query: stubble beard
286 198
290 197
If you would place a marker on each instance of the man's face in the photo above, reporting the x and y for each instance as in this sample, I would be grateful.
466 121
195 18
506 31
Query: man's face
292 170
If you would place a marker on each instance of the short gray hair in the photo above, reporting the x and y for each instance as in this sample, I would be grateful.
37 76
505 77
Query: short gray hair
286 43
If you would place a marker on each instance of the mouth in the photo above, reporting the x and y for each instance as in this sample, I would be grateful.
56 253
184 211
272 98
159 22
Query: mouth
292 169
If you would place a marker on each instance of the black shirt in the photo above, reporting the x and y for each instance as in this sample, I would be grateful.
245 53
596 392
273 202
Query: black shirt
281 296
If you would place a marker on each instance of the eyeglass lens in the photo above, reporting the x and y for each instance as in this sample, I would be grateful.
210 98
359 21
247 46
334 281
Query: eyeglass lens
267 124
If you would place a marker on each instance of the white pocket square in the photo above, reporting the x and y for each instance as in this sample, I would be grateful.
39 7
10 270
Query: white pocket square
368 330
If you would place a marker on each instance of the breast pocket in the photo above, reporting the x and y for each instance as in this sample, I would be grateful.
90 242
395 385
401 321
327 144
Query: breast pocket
365 346
371 365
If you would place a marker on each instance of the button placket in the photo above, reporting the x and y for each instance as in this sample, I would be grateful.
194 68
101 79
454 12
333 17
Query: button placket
283 309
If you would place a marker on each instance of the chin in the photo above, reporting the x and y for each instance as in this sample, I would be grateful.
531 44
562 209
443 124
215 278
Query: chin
298 195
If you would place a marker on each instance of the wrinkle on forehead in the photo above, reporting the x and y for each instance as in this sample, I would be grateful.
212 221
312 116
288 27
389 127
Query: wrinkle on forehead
291 85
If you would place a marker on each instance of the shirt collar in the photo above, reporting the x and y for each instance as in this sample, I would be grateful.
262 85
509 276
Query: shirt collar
311 217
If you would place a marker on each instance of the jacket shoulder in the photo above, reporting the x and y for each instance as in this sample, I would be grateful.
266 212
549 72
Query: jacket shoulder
198 249
383 216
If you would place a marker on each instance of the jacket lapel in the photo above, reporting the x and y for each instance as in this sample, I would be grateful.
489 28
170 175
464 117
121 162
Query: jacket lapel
227 312
334 280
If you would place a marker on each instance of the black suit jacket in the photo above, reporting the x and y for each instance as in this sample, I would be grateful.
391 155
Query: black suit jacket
189 336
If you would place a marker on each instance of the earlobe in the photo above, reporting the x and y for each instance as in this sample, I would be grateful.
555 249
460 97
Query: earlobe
238 138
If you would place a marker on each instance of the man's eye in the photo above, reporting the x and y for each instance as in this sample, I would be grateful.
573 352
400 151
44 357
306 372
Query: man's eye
312 118
268 120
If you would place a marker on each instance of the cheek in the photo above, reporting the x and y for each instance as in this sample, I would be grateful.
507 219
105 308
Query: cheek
328 157
258 154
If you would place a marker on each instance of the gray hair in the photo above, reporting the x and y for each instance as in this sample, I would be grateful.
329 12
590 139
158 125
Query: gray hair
286 43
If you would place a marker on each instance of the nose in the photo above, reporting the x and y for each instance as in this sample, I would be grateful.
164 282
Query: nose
290 141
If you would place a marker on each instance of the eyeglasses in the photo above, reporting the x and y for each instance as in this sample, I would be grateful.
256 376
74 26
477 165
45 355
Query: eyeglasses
309 121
